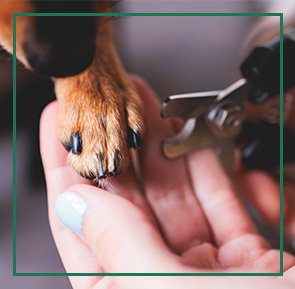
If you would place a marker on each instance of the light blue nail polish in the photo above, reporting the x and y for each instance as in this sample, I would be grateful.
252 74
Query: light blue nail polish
71 209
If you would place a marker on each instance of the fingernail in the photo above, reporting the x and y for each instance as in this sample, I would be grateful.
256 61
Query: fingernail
293 244
71 209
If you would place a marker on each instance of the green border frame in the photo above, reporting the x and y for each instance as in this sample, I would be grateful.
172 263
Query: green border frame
148 274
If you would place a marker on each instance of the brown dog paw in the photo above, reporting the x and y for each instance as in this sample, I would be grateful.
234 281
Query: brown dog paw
98 122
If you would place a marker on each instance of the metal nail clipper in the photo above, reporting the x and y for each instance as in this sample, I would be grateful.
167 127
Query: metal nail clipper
219 119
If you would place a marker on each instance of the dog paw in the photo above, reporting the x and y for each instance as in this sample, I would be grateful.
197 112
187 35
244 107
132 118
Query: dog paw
97 125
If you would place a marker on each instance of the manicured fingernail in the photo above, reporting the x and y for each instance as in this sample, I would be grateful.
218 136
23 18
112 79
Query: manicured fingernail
70 209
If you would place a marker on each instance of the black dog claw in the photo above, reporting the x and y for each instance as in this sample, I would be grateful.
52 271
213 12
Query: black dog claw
101 175
112 174
76 144
101 171
133 139
67 146
90 176
136 140
116 165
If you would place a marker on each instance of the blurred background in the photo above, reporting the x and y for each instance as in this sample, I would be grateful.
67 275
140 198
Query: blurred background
173 54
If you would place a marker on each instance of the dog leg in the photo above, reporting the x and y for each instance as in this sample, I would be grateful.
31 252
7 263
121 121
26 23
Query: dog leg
100 115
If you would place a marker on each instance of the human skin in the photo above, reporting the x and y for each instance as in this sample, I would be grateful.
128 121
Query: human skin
189 218
258 186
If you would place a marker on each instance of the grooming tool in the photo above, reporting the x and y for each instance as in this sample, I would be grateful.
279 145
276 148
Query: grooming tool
220 119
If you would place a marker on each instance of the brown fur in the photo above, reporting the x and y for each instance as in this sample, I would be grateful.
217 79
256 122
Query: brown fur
6 26
92 104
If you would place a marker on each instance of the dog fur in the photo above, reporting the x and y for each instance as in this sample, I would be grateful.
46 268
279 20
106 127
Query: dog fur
99 108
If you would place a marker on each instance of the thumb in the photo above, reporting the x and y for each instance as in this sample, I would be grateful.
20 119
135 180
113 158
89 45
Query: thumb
122 238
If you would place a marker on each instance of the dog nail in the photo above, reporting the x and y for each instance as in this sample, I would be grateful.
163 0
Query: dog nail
76 144
112 174
116 161
133 139
90 176
71 209
136 140
115 172
101 175
67 146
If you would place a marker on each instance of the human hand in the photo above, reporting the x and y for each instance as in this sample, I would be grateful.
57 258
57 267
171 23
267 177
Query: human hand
262 191
188 220
259 188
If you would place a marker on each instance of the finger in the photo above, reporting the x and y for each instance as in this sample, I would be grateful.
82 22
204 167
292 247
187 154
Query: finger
126 185
122 238
53 154
289 275
59 175
168 187
289 216
227 217
264 193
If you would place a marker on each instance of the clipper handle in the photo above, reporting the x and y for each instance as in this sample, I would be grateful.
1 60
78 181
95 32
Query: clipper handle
262 67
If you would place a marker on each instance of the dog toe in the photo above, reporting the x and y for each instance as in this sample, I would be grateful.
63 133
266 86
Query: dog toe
99 128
